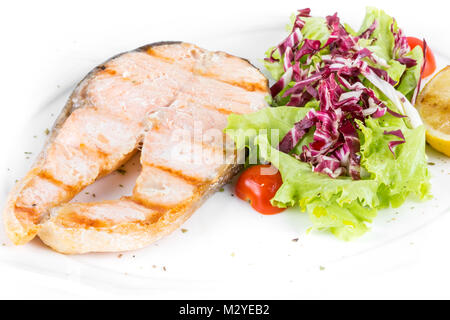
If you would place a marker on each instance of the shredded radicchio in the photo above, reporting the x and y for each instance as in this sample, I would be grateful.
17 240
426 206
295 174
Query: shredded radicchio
401 47
392 144
335 83
416 92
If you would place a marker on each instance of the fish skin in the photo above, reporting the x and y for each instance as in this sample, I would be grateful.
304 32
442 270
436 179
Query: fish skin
57 229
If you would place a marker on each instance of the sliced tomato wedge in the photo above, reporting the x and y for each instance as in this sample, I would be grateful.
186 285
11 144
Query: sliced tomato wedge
430 65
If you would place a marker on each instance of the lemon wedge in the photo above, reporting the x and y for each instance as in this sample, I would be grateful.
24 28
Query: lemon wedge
433 105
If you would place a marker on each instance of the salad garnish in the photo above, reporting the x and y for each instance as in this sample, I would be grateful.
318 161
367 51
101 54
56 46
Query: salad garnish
350 141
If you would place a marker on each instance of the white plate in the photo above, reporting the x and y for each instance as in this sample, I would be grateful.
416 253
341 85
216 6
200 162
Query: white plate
229 250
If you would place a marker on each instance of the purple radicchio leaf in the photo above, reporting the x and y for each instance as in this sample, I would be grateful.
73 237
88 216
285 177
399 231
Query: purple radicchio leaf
292 138
392 144
408 62
369 31
419 84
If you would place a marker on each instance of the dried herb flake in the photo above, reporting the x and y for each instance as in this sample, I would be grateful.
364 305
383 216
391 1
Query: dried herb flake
121 171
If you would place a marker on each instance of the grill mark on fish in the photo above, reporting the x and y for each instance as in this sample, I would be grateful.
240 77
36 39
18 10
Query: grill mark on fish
71 218
223 111
248 86
177 173
50 178
163 208
153 53
251 87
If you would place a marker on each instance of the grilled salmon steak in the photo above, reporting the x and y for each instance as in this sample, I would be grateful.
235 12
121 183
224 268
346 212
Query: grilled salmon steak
154 98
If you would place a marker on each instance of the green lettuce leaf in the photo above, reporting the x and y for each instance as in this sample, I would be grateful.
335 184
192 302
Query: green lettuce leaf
316 28
275 69
383 44
244 128
395 70
398 176
411 77
346 222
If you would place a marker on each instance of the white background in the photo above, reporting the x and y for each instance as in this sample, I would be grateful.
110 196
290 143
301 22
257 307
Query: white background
47 46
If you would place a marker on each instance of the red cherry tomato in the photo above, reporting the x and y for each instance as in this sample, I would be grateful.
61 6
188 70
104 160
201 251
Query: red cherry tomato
258 185
430 65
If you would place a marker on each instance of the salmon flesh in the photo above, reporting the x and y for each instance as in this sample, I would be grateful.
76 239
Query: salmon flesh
154 98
